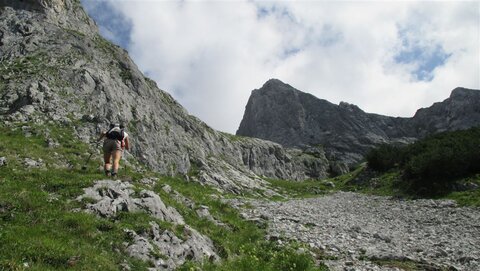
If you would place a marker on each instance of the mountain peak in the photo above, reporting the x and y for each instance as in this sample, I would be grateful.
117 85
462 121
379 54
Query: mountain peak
283 114
276 88
275 85
273 82
463 93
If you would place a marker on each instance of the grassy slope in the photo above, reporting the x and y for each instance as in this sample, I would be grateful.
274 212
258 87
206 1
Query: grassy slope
40 229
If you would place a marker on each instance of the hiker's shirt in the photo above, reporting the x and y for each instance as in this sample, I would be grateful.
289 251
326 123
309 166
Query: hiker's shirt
111 145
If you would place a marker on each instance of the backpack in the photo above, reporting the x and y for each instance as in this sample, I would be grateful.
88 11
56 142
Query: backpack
116 133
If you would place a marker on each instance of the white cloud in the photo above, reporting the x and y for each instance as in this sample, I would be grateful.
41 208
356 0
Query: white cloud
211 54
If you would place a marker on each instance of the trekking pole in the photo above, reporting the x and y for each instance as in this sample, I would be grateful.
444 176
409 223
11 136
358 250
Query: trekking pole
84 167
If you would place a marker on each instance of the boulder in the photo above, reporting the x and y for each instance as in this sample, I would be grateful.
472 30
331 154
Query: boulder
3 161
166 251
112 197
31 163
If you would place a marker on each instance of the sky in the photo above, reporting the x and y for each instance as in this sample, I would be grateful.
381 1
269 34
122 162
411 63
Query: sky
389 58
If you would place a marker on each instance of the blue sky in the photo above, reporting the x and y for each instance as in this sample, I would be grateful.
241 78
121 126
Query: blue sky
425 57
112 23
389 58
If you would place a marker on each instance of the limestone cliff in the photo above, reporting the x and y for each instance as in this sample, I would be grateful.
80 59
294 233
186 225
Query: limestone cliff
283 114
55 67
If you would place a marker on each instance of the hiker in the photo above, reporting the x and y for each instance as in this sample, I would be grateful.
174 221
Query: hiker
116 140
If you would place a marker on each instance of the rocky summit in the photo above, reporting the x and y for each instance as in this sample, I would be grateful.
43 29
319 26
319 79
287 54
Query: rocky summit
283 114
56 68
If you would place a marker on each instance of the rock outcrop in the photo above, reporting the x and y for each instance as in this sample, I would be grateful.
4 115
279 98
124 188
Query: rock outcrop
112 197
163 248
55 67
283 114
173 251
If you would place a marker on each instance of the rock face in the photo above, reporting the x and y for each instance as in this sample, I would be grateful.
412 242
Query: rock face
285 115
57 68
460 111
355 229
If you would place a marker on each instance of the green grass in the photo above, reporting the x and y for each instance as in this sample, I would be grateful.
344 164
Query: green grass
387 184
104 45
265 256
125 74
234 138
467 198
39 228
42 229
31 65
312 188
391 184
303 189
15 145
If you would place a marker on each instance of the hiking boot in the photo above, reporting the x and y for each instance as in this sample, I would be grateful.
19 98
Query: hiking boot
114 175
107 173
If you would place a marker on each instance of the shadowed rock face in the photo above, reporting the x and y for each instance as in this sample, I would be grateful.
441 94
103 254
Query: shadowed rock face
57 68
283 114
460 111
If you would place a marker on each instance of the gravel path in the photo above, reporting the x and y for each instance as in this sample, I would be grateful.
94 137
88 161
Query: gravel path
355 229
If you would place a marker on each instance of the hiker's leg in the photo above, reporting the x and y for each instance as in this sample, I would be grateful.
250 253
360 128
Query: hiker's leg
116 155
107 157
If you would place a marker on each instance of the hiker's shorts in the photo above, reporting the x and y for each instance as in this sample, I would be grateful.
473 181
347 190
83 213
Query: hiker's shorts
111 145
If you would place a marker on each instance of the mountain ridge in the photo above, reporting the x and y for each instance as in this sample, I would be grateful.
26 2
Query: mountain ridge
283 114
58 68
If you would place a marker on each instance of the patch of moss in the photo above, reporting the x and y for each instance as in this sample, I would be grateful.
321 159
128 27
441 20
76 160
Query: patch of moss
234 138
104 45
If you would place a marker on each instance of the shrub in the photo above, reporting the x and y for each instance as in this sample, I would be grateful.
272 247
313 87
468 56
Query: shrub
384 157
433 164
